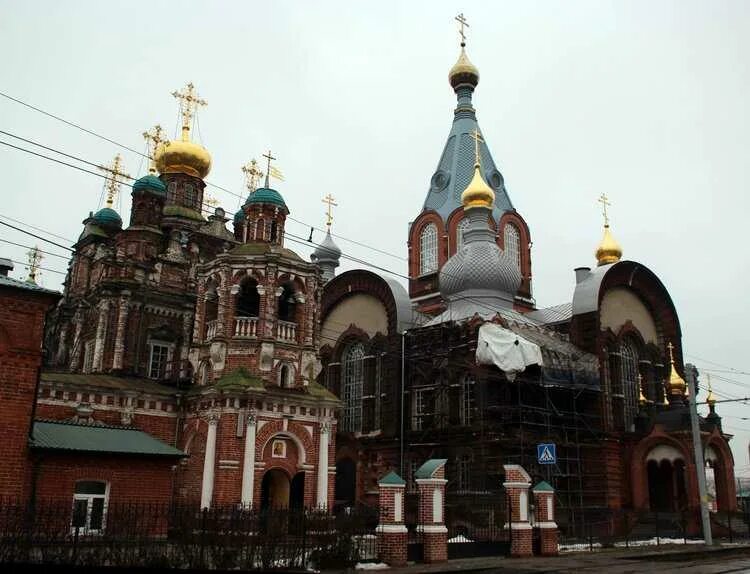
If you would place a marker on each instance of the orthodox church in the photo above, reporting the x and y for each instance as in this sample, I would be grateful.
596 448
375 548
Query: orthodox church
224 369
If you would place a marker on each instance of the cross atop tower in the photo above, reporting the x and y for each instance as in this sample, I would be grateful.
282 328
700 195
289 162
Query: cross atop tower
269 159
252 175
34 257
153 139
477 137
114 179
670 346
461 19
604 200
329 201
189 102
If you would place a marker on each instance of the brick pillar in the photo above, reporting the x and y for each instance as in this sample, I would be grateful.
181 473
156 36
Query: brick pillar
430 479
517 483
391 531
544 518
122 323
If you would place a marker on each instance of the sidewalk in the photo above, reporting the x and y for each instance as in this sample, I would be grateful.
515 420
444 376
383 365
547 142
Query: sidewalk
666 559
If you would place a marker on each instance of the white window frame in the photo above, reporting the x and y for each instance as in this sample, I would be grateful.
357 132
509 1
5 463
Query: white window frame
89 499
461 228
352 386
428 249
418 406
289 382
88 356
512 243
629 360
168 358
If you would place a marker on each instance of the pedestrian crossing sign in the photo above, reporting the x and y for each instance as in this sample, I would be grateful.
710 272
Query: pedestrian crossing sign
545 453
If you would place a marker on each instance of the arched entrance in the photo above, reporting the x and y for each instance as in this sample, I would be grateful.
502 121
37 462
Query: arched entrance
667 491
297 495
346 482
275 490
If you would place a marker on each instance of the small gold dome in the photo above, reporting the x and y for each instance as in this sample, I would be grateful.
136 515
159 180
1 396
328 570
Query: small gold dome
609 251
676 384
477 193
463 71
183 156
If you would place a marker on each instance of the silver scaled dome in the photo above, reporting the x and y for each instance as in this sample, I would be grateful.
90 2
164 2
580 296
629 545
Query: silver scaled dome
327 256
480 270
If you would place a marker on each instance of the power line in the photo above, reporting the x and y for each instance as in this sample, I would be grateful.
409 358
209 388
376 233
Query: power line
38 229
26 263
34 235
33 247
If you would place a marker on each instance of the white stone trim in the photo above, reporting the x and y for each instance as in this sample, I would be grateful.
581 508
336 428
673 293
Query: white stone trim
432 529
520 526
385 485
517 484
392 529
546 525
519 468
436 481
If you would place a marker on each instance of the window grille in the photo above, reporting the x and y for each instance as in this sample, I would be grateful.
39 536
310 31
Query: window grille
464 472
512 243
428 261
157 365
467 400
352 384
629 380
89 506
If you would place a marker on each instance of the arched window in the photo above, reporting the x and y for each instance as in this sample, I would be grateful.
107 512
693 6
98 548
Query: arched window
287 303
260 227
189 191
353 378
212 302
248 300
274 227
428 260
461 228
512 242
467 400
286 376
205 374
629 380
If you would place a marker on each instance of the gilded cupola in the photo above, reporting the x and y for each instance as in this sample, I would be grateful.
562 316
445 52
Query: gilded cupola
183 155
609 251
676 385
477 193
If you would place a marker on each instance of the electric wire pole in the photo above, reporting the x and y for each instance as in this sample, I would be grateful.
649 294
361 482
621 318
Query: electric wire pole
700 465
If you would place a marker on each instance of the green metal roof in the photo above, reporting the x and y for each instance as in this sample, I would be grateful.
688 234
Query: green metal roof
392 479
151 183
58 435
107 216
258 248
543 487
239 379
266 195
181 211
109 382
428 469
320 392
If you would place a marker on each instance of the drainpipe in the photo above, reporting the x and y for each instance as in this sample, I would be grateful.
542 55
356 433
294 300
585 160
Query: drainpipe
403 376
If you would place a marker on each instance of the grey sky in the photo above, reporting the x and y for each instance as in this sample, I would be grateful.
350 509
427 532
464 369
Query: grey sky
643 100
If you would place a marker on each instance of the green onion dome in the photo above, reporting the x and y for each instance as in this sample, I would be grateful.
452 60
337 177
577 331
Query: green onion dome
239 216
107 217
152 184
266 195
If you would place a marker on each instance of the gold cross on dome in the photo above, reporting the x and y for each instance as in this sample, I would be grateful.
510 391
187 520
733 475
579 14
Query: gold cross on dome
477 137
189 102
252 175
329 201
461 19
670 346
269 159
212 201
153 139
34 257
604 200
114 179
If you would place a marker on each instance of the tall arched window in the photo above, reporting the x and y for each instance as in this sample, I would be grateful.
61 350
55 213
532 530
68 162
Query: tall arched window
512 242
629 380
428 260
248 300
287 304
461 228
353 378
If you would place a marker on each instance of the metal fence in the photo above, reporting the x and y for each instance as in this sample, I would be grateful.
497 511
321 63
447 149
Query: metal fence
597 529
174 536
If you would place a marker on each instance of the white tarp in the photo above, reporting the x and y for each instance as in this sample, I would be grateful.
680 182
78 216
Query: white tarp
502 347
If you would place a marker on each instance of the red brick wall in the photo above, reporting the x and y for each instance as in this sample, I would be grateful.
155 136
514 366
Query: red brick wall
21 332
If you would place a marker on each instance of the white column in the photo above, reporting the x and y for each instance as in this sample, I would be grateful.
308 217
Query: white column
207 488
101 333
122 321
325 430
248 462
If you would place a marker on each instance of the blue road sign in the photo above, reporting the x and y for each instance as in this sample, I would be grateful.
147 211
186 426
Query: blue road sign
546 453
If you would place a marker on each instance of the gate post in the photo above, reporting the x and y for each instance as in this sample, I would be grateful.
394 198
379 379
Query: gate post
544 517
517 483
430 479
391 531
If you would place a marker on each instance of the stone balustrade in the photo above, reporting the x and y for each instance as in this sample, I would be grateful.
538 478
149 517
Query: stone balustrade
286 331
246 327
211 327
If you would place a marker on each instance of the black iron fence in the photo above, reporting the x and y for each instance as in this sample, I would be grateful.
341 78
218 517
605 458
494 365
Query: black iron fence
174 536
596 529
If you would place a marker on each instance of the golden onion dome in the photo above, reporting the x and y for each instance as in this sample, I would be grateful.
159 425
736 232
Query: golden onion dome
463 71
609 251
477 193
676 384
183 156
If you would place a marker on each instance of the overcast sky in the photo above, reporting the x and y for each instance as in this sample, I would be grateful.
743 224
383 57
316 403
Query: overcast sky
643 100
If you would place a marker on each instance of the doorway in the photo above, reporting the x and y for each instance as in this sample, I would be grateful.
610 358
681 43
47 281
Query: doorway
275 490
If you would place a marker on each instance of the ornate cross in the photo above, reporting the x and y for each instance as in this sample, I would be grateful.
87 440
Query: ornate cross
153 139
461 19
252 175
329 201
604 200
477 137
189 102
114 179
269 158
34 257
670 346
